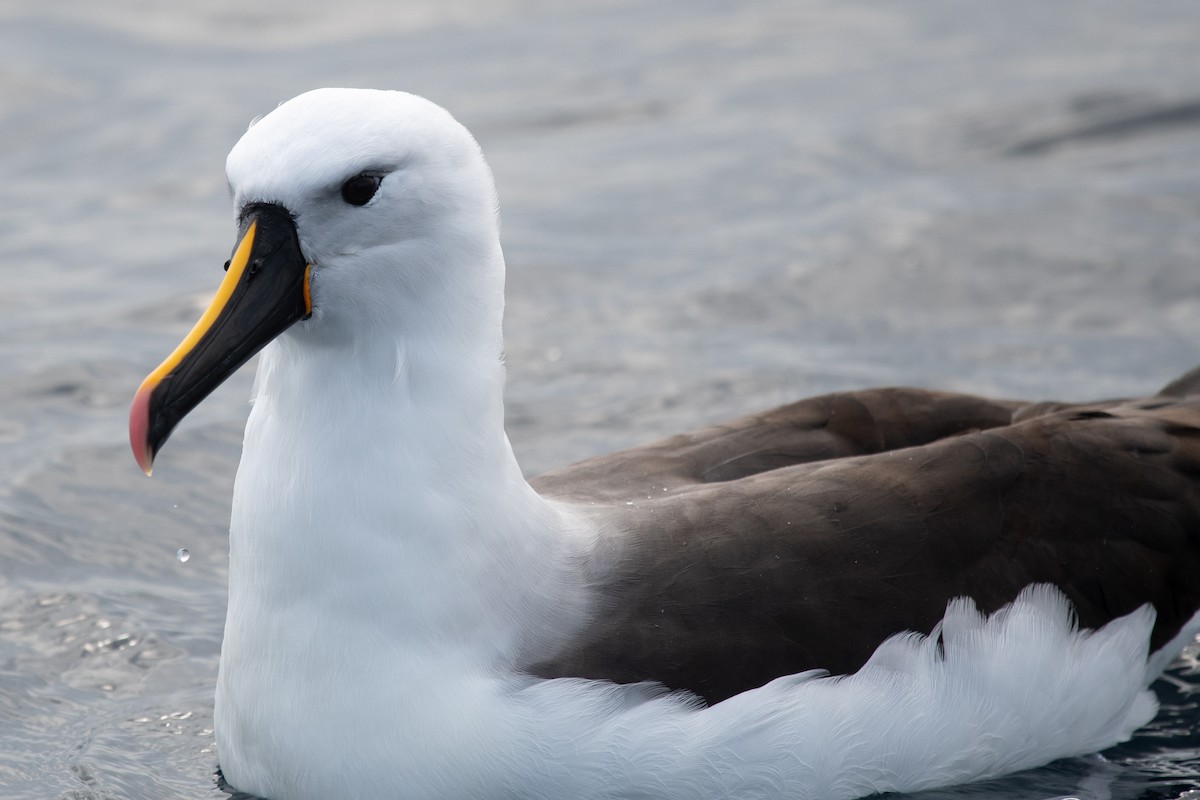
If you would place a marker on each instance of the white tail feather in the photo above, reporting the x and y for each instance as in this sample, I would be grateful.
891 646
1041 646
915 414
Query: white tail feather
980 697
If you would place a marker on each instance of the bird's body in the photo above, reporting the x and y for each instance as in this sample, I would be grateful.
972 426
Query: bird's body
409 617
853 516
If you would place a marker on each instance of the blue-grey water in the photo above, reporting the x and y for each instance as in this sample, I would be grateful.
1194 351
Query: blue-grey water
709 208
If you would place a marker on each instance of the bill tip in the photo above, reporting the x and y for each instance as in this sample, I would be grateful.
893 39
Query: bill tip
139 428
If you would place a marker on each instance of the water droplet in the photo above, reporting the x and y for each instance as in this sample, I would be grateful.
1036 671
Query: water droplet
183 555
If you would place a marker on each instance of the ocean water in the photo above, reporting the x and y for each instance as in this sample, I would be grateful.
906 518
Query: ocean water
709 208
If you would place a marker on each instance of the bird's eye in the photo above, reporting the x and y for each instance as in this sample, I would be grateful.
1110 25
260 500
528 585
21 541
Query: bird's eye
359 190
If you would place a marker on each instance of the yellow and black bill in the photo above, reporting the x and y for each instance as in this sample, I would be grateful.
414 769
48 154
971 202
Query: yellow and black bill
265 290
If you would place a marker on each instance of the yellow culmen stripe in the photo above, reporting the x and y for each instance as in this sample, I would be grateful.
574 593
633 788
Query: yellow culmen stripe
237 265
307 295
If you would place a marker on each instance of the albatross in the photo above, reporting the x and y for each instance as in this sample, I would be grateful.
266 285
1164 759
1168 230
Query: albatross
868 591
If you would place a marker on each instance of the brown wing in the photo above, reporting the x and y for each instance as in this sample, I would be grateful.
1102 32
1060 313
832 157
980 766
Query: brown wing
817 429
721 586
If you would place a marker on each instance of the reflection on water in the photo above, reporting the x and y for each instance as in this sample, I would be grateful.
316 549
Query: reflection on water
709 208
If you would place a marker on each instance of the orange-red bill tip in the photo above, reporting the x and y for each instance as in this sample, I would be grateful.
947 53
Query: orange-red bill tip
139 429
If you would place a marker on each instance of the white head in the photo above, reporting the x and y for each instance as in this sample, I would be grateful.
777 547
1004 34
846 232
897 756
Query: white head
425 241
369 222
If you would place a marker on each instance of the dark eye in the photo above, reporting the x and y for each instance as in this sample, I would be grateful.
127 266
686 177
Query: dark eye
360 189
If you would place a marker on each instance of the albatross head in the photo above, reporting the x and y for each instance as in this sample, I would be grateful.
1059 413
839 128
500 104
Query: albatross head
363 215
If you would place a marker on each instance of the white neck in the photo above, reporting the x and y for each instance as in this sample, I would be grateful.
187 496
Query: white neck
426 534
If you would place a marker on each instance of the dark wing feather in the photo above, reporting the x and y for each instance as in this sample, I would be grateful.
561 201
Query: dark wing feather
817 429
718 587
